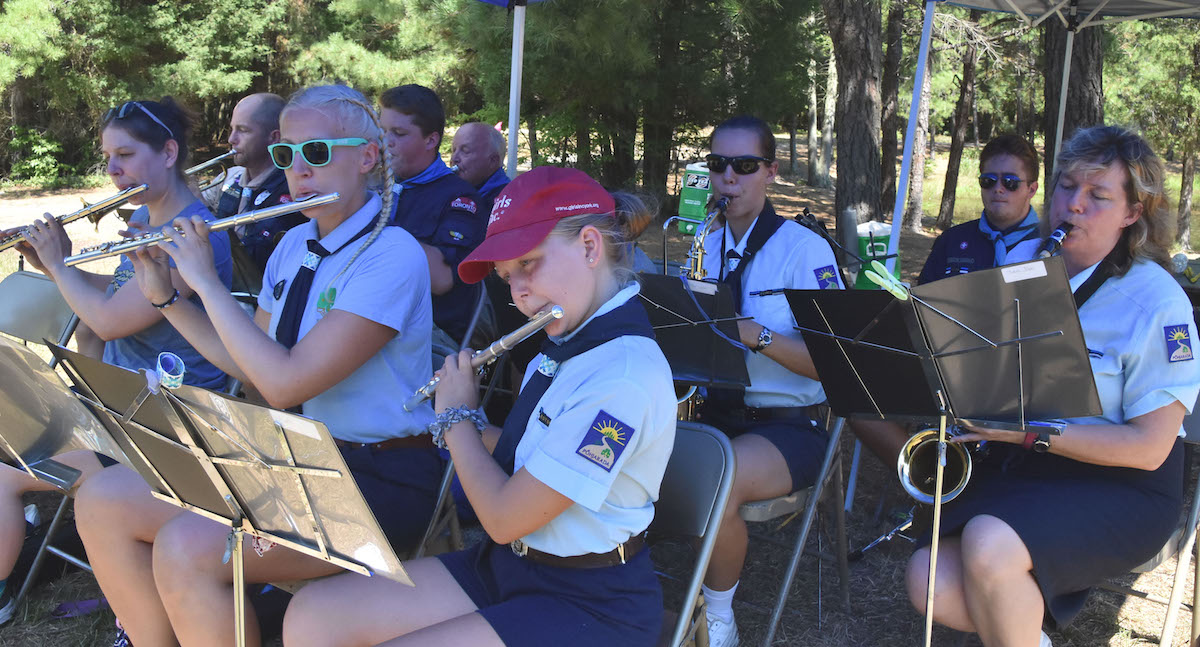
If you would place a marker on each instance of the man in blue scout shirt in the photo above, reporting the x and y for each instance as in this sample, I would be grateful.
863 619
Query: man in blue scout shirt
1008 173
478 152
439 209
254 183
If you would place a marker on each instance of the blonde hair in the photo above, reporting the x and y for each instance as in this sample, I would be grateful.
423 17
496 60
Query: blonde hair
1095 149
619 228
353 114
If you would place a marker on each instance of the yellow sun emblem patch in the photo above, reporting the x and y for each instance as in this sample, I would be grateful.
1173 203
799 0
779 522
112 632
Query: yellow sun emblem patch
605 440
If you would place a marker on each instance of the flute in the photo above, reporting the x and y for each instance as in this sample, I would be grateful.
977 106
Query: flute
116 248
1054 242
219 159
488 355
111 202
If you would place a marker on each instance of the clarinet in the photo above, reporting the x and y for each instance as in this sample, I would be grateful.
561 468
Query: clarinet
1054 243
488 355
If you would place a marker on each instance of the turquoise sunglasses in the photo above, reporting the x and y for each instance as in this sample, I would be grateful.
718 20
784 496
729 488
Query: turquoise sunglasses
316 152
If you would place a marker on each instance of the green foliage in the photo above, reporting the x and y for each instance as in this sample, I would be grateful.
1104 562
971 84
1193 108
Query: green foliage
37 154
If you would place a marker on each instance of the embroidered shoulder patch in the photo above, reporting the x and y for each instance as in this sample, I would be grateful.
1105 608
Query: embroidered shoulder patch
826 277
285 198
261 198
464 203
605 440
325 300
277 291
1179 344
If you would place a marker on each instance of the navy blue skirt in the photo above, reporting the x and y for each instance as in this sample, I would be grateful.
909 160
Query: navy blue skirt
800 440
535 605
401 488
1082 523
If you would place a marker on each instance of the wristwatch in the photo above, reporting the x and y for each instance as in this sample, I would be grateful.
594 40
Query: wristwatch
1041 444
765 337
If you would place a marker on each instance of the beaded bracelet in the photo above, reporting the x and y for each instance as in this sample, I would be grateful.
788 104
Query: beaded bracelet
453 415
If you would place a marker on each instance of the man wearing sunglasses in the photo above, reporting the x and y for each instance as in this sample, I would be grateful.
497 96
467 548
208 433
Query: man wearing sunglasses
1008 228
255 183
440 209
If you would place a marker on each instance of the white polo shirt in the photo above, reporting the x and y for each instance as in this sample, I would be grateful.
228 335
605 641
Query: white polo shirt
388 284
601 435
793 257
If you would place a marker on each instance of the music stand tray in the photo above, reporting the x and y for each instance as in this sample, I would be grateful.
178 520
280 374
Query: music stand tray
274 475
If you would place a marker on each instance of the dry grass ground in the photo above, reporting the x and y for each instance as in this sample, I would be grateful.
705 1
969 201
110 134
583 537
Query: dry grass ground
879 612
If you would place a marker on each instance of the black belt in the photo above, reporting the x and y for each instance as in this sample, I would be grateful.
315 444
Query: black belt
761 414
619 555
421 441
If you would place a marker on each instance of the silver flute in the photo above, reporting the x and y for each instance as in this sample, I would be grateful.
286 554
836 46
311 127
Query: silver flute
219 159
488 355
92 210
118 247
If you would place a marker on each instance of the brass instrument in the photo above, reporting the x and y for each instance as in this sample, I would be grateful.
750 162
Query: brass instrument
488 355
696 253
116 248
90 211
917 466
219 160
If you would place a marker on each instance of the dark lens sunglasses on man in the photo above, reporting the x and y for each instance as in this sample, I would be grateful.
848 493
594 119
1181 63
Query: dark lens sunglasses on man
316 152
1010 182
742 164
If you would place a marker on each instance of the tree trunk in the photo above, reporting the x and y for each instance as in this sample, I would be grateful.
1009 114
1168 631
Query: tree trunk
658 110
583 146
916 172
890 84
531 124
1183 233
813 153
792 143
855 28
1085 92
828 123
966 99
975 117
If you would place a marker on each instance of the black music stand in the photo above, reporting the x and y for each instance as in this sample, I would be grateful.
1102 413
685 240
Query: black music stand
1000 347
695 324
274 475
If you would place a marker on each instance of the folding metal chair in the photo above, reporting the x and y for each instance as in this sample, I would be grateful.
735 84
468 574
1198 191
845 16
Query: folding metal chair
35 311
1181 544
807 500
691 503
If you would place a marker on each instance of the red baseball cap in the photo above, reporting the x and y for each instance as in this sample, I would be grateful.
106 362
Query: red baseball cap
526 211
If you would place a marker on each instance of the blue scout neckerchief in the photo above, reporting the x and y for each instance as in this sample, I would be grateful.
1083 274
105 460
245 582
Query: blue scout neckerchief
765 226
496 180
628 318
435 171
1004 241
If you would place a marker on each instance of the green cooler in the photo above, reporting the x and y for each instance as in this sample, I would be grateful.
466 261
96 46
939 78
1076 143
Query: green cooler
694 197
873 238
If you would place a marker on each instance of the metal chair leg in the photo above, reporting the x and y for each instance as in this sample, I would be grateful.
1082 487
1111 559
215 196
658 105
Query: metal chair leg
810 511
843 561
40 558
1183 558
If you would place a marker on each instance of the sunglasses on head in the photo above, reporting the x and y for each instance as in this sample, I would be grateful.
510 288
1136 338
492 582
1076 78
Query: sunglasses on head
742 164
122 111
1010 182
316 152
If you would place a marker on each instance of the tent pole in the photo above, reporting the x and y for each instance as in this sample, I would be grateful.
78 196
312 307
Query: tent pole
514 90
1062 94
910 134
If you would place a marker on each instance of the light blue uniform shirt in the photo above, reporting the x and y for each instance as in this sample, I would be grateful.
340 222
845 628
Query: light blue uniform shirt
1140 336
141 349
623 386
793 257
388 284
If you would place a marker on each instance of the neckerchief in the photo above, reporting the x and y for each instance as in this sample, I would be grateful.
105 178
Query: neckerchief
628 318
1004 241
495 181
761 230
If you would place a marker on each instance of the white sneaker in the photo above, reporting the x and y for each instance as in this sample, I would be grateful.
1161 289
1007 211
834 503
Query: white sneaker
722 633
32 516
1045 641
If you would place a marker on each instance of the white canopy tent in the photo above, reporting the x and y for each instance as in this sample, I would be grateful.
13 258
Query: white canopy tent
517 8
1074 15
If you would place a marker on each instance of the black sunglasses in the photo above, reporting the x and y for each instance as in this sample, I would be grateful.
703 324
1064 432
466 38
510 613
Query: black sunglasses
1010 182
742 164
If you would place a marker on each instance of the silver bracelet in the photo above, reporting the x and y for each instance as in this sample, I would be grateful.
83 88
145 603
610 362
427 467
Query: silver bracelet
453 415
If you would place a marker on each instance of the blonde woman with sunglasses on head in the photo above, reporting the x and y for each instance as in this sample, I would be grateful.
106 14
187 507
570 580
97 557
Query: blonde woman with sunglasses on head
342 331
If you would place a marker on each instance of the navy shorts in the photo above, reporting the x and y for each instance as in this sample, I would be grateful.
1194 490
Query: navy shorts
800 441
535 605
401 488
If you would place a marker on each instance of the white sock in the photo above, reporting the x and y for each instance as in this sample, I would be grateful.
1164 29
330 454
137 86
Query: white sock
719 603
